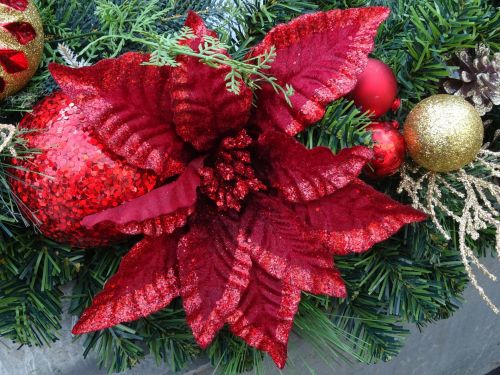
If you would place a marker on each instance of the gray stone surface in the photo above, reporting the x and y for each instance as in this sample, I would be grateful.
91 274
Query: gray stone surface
466 344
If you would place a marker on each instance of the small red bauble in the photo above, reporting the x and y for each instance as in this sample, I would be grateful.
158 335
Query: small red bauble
389 149
376 89
72 176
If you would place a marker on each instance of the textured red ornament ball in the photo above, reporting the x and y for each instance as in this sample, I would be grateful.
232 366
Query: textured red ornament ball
376 89
389 149
72 176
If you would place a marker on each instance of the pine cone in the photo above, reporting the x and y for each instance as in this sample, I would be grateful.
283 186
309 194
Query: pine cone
477 79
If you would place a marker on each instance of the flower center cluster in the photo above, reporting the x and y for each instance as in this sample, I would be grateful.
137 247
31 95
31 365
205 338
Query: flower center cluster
232 177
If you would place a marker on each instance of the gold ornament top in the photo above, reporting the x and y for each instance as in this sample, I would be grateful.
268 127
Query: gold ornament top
21 44
443 133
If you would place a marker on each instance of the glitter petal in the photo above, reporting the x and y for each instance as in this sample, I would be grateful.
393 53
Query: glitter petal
200 99
158 212
264 317
320 55
213 272
355 218
281 245
146 282
304 175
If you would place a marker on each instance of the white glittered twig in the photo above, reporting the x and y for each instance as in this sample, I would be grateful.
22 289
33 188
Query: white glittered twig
481 199
70 57
6 135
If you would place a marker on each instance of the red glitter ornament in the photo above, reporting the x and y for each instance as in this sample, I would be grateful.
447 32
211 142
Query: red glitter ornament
248 223
73 175
389 149
376 89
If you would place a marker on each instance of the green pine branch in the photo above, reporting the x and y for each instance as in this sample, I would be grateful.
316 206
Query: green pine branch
246 22
9 210
29 316
117 348
32 269
420 37
168 338
343 125
231 355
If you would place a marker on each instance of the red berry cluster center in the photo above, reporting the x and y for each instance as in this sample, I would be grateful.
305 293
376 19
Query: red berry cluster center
228 177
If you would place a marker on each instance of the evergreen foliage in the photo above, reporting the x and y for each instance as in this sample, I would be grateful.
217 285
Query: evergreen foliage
343 125
415 277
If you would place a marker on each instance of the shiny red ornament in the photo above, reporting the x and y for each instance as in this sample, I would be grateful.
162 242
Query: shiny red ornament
72 176
388 151
376 89
249 217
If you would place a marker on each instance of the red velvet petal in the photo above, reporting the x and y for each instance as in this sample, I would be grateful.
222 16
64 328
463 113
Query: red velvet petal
279 242
321 56
129 107
158 212
157 226
213 272
203 108
304 175
356 217
265 314
146 282
22 31
196 24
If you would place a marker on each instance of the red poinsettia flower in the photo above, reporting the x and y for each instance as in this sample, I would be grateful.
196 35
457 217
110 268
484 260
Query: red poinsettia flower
253 218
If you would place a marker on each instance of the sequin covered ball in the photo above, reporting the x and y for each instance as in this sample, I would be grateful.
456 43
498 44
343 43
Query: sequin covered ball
71 175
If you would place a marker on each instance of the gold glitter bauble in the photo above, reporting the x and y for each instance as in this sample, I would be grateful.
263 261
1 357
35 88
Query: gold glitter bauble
443 133
21 44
